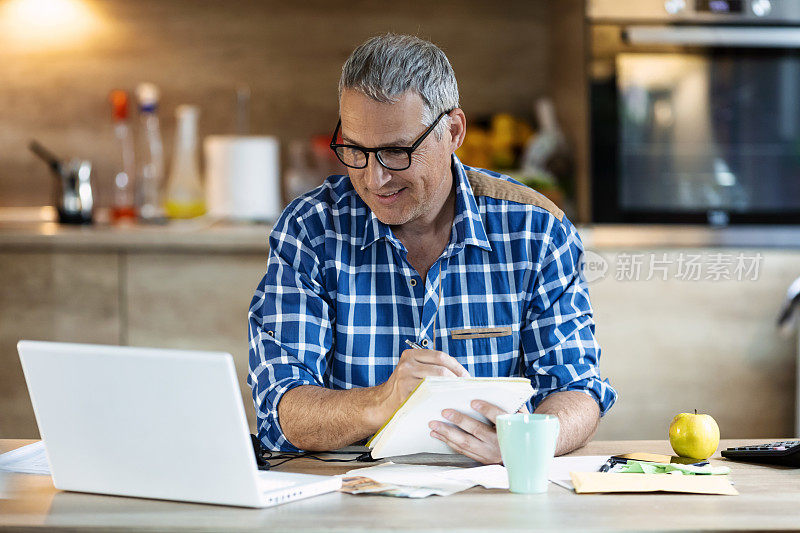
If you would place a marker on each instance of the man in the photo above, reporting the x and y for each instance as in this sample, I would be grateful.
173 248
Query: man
412 245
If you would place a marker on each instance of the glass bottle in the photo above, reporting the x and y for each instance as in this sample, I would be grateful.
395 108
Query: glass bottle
185 195
151 154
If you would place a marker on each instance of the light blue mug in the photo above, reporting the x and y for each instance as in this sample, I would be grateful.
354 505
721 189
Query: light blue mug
527 444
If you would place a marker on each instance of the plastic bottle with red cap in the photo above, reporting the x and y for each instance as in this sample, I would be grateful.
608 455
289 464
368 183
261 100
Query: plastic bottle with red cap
123 208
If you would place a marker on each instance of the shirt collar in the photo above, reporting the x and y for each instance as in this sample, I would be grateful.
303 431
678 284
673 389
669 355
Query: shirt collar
468 225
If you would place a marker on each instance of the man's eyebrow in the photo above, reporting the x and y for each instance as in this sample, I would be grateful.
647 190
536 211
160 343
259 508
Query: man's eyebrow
402 142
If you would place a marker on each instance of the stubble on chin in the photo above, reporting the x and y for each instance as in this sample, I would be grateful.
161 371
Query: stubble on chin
395 217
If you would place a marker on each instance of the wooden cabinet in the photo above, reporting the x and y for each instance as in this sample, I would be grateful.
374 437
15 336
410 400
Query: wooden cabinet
190 300
669 345
56 296
193 301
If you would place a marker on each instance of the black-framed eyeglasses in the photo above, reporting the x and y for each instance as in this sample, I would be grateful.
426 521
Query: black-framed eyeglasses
390 157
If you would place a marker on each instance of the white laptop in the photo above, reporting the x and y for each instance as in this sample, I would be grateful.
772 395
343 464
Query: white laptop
151 423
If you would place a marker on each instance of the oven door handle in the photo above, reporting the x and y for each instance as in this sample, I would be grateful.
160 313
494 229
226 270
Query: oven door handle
714 36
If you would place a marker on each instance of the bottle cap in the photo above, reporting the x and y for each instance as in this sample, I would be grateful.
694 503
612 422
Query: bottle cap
148 94
119 104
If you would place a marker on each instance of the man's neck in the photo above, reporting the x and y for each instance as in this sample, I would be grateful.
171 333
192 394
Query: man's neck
425 240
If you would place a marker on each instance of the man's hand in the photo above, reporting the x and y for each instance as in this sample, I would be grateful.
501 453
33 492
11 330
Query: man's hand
413 367
578 414
477 440
473 438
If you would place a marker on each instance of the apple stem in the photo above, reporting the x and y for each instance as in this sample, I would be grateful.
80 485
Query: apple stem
695 411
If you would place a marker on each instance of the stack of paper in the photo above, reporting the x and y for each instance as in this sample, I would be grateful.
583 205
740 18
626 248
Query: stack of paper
445 480
423 480
574 473
30 459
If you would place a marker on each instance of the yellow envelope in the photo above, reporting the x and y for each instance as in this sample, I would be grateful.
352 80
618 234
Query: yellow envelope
587 482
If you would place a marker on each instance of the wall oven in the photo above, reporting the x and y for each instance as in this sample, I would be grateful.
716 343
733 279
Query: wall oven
695 111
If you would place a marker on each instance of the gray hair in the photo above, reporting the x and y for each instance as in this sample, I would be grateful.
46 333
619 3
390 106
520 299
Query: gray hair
386 66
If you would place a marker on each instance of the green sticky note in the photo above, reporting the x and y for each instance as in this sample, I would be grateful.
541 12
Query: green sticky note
639 467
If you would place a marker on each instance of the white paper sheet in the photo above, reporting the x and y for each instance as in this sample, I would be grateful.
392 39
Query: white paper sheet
30 459
489 476
562 466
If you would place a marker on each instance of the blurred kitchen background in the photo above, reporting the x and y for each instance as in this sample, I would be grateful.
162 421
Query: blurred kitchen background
668 130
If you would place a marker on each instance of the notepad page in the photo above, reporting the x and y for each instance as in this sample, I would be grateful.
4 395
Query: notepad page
408 432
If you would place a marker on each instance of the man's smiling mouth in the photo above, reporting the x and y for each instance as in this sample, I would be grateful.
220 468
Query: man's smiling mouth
389 194
390 197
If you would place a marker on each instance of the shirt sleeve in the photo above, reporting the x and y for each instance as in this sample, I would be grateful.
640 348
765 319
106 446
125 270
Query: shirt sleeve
290 329
557 336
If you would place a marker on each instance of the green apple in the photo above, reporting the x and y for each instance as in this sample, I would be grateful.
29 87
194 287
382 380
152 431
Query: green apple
694 435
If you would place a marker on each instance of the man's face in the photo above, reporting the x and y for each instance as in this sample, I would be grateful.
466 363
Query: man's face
396 196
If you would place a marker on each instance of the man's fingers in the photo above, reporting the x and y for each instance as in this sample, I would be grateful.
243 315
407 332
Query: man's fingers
433 357
465 444
422 370
455 446
453 367
488 410
474 427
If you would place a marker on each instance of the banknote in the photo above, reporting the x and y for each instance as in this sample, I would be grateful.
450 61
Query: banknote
365 485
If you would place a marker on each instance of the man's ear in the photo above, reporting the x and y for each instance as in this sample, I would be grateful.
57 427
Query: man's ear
458 128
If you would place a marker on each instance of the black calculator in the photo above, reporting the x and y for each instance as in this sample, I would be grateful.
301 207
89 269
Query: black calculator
785 453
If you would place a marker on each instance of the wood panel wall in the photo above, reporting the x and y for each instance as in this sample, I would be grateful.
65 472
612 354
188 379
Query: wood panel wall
289 53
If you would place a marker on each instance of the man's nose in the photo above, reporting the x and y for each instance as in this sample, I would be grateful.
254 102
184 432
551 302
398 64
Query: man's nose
376 175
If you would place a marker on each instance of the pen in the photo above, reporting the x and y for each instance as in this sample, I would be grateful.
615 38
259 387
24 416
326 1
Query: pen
612 461
607 465
414 345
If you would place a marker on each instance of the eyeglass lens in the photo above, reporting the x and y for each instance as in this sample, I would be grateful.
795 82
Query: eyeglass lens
388 157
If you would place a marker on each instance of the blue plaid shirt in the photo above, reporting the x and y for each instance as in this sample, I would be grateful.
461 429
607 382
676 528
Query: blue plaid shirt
339 298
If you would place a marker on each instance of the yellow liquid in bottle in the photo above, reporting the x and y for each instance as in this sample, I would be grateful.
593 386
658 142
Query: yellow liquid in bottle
175 209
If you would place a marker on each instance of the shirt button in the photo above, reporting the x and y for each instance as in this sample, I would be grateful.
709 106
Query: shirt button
425 342
271 333
413 282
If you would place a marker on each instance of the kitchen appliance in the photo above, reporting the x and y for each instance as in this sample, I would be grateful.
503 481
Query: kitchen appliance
243 177
695 111
72 189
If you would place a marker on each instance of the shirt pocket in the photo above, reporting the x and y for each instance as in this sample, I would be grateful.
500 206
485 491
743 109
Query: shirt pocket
480 333
486 351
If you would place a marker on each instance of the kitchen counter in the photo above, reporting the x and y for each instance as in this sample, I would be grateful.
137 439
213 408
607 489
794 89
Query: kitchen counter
221 237
647 236
184 236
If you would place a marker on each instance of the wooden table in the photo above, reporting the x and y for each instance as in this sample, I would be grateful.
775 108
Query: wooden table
769 499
